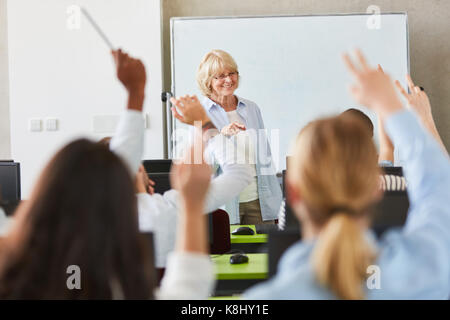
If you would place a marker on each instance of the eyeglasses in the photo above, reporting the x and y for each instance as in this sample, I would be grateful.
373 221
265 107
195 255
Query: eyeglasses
224 76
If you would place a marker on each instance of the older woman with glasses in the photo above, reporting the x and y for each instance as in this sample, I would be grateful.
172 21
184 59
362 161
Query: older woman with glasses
218 79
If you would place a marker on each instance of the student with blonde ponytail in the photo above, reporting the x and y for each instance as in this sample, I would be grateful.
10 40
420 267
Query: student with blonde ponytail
332 185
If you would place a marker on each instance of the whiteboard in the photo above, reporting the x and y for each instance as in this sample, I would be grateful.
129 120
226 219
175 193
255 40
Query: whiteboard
290 66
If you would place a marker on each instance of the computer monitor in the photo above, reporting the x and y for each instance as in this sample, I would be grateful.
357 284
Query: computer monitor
9 181
396 171
157 165
391 211
278 242
162 182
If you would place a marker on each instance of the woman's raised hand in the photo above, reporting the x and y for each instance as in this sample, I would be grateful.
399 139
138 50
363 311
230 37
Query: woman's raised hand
372 88
417 99
191 175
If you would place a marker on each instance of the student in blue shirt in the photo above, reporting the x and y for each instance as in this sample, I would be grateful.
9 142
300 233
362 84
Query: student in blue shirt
332 186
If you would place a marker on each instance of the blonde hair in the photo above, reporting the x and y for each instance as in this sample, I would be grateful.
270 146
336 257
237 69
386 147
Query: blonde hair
213 63
334 165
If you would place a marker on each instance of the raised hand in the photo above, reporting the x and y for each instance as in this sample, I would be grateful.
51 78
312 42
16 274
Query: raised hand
191 175
386 152
419 102
373 88
417 99
131 73
192 180
191 110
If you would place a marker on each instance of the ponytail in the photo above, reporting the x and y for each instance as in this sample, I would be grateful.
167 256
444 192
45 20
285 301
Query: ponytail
341 257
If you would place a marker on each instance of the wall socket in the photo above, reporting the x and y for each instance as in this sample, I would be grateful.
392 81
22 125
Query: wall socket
51 124
35 125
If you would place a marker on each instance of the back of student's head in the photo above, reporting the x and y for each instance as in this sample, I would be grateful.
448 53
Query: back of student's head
334 168
361 116
82 212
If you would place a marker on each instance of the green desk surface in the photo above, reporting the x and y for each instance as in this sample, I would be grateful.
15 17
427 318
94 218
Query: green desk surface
256 238
256 268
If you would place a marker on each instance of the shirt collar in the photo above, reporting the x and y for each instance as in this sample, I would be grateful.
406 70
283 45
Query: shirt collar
209 104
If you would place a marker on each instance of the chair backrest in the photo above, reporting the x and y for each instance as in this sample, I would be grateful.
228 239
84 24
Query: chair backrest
396 171
154 273
157 165
391 211
221 242
278 242
9 181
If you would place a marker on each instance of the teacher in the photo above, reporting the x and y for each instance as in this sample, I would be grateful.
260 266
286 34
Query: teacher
218 79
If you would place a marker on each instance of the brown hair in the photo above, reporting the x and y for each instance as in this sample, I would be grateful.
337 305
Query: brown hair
334 165
82 212
360 116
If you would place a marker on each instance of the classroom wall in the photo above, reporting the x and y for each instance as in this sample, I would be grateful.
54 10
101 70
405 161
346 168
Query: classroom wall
5 148
429 27
60 68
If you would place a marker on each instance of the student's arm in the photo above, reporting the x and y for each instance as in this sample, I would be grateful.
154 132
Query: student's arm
128 140
189 273
419 102
421 251
386 154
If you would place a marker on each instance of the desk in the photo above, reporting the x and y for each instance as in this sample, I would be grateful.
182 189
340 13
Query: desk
235 278
250 244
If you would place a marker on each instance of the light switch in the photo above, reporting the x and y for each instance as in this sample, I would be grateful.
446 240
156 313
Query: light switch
51 124
35 125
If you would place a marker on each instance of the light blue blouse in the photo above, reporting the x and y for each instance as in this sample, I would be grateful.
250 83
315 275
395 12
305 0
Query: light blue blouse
269 190
414 262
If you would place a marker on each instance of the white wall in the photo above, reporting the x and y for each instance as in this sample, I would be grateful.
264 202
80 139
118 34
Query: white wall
68 74
5 149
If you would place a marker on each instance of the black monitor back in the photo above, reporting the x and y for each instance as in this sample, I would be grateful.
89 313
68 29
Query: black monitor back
157 165
396 171
162 182
278 242
391 211
9 181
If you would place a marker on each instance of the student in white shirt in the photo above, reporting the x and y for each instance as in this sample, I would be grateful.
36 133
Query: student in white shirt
82 215
158 213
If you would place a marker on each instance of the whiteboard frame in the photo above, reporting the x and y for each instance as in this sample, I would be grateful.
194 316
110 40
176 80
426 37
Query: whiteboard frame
170 121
